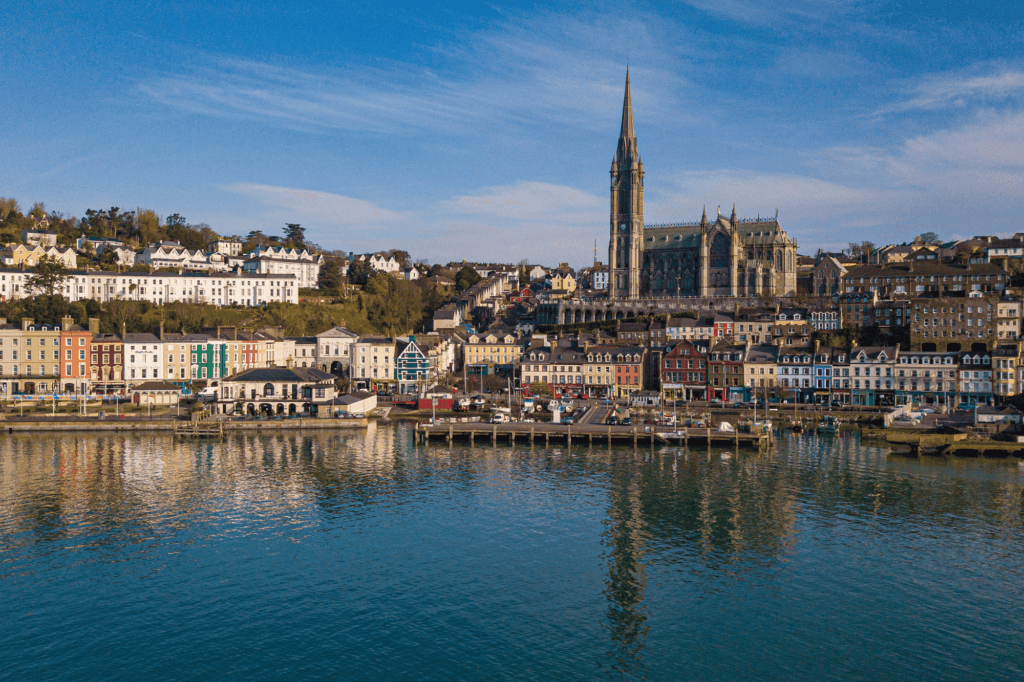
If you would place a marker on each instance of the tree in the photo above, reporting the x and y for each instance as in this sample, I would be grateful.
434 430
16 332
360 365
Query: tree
380 284
148 226
49 276
122 314
330 274
466 277
192 316
401 256
7 207
295 234
107 259
861 250
359 272
928 238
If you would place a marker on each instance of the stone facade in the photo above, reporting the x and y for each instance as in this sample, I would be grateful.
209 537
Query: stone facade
703 259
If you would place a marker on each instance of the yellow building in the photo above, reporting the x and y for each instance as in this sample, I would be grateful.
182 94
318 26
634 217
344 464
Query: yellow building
562 279
760 363
40 347
17 255
489 353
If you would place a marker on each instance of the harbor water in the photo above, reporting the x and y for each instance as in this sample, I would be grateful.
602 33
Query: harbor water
363 556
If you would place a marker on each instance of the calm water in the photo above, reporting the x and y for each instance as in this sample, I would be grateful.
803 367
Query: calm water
362 556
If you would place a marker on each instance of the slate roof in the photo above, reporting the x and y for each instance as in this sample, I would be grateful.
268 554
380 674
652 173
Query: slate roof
281 374
155 386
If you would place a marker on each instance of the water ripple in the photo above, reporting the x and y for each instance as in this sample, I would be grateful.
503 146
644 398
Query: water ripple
366 556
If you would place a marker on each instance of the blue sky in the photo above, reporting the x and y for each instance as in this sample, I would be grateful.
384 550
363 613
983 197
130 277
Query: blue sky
462 130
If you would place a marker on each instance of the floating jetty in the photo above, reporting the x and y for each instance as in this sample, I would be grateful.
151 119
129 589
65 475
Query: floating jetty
586 433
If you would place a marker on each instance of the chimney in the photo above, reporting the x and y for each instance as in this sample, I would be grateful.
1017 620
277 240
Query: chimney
817 345
218 331
290 362
94 326
124 329
66 323
161 330
26 322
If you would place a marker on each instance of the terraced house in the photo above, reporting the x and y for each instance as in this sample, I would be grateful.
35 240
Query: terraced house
373 363
208 357
106 363
492 353
927 378
975 378
411 366
74 345
536 368
599 370
684 372
953 324
725 367
143 358
873 370
41 348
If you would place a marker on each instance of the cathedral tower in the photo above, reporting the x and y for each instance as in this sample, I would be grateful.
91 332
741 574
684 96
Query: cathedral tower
625 244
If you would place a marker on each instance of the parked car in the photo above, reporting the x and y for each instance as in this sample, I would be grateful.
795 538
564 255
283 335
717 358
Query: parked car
627 421
612 421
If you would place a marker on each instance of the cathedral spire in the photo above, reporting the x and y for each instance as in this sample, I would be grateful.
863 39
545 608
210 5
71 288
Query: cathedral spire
627 112
704 217
732 218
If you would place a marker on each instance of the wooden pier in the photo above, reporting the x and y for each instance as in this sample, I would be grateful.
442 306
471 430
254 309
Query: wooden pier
203 428
580 434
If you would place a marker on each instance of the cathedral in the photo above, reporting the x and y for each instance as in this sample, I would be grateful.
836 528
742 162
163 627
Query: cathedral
726 257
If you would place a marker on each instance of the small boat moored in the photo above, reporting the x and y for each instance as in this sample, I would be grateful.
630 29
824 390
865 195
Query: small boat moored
828 425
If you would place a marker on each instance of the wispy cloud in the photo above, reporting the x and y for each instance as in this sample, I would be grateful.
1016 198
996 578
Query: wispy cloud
766 12
959 90
546 68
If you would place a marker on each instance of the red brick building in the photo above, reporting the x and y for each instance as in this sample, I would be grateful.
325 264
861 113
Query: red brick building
75 349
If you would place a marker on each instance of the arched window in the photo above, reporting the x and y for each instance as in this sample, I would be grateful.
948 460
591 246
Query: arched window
268 390
778 260
719 251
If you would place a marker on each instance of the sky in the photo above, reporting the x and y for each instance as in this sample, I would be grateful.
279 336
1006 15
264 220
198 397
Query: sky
461 130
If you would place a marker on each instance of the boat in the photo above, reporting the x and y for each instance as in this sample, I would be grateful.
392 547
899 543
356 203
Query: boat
796 426
828 425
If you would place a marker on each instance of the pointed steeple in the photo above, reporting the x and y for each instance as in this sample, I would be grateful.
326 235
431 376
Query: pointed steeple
627 112
627 156
704 217
732 218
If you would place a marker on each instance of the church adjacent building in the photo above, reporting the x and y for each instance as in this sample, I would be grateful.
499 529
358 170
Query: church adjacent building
726 257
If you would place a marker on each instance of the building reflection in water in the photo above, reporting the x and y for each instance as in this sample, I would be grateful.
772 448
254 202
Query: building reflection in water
709 514
625 540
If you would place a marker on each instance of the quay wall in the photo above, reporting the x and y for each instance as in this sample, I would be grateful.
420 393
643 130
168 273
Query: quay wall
168 425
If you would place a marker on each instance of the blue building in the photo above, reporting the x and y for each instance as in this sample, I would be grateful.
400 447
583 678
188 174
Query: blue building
411 366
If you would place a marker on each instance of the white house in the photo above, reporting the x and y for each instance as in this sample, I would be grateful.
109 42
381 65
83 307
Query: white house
37 237
173 255
334 349
143 358
381 262
278 260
